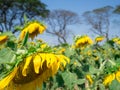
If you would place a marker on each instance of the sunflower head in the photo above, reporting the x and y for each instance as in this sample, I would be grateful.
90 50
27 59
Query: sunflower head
108 79
116 40
37 67
99 39
82 41
33 29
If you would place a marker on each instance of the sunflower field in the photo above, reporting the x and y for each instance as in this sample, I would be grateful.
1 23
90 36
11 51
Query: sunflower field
27 63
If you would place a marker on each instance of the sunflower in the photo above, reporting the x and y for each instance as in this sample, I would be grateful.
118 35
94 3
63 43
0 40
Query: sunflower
33 30
89 78
3 39
99 39
33 71
108 79
82 41
116 40
118 75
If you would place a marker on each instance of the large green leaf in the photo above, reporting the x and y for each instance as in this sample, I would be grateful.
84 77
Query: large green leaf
7 56
7 61
70 79
93 70
115 85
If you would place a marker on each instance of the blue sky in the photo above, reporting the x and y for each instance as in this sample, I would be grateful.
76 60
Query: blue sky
79 7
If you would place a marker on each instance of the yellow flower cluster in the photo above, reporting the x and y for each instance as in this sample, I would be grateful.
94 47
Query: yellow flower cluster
3 39
99 39
116 40
33 29
33 71
89 78
82 41
109 78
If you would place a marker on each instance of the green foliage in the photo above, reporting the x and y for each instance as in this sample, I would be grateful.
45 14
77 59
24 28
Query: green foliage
7 61
89 65
115 85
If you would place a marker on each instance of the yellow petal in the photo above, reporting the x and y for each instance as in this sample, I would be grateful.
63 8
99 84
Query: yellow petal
108 79
3 37
28 59
118 76
61 59
48 59
66 58
53 59
41 29
5 82
37 63
31 28
43 56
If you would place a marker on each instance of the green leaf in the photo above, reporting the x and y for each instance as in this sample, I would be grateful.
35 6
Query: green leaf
93 70
70 79
101 87
17 28
12 45
25 18
80 81
7 61
7 56
25 39
115 85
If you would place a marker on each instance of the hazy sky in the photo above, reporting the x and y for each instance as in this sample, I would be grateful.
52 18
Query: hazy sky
79 7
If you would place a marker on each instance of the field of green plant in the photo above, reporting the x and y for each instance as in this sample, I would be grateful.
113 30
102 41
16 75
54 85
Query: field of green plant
27 63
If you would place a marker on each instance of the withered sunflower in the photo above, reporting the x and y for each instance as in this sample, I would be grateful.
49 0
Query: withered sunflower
32 71
33 29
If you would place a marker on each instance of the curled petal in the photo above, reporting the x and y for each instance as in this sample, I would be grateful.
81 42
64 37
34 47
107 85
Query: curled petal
28 59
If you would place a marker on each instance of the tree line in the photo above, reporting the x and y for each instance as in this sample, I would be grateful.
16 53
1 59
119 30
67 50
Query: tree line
12 13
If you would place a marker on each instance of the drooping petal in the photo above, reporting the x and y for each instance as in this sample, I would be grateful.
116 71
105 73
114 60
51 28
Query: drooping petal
41 29
61 60
48 59
37 63
53 59
43 56
28 59
5 82
66 58
3 39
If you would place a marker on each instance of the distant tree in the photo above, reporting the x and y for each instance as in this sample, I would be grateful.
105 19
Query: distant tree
99 19
12 12
117 9
58 23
